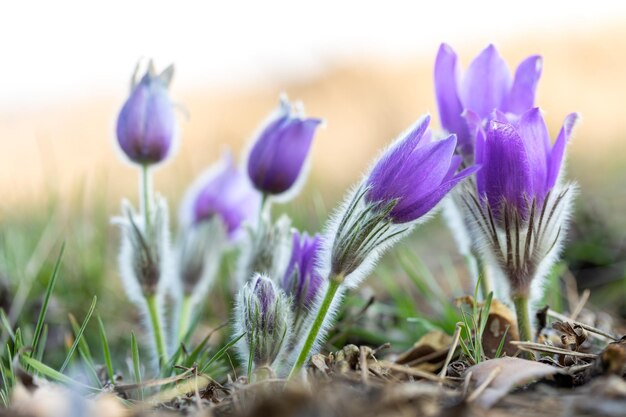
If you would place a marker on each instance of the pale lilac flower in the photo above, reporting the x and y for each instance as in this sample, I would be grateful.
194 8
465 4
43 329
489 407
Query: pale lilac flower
278 155
486 85
222 192
146 125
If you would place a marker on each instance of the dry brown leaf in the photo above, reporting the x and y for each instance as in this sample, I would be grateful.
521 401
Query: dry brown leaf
513 372
432 348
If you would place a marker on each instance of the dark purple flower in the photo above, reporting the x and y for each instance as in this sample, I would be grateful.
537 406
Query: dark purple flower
486 85
301 279
416 172
146 125
265 294
224 191
280 151
519 163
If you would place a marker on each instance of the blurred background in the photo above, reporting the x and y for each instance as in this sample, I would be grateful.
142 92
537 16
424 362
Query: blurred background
365 67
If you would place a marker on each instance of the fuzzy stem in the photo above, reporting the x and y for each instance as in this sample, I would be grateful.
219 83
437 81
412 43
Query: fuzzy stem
523 321
185 317
317 324
146 193
157 330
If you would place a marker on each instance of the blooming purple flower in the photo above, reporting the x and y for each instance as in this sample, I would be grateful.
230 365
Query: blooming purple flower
224 191
146 125
519 163
486 85
264 315
301 280
416 172
279 152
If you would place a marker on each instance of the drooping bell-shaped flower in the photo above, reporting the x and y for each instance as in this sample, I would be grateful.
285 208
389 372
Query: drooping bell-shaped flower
264 315
521 208
146 125
486 85
301 280
404 185
276 163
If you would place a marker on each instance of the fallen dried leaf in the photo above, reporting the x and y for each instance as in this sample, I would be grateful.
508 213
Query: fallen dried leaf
513 372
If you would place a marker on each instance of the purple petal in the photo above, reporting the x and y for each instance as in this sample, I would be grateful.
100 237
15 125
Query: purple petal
428 202
390 163
486 83
447 76
522 95
506 172
278 155
534 133
558 150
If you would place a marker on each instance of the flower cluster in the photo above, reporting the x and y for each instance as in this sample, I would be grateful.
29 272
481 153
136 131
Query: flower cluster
495 159
515 213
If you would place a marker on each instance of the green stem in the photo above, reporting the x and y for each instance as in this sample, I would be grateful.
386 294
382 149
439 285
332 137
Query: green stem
523 321
333 286
146 197
185 317
157 330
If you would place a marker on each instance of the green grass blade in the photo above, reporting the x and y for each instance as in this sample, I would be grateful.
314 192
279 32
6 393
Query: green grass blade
221 352
501 345
6 324
105 348
46 300
42 343
80 334
47 371
134 347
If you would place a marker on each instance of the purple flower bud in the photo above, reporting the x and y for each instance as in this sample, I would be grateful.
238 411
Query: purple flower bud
486 85
279 152
519 163
301 279
146 125
264 315
223 191
416 172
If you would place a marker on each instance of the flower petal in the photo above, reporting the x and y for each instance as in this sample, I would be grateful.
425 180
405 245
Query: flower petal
534 133
486 83
506 172
558 150
522 96
447 76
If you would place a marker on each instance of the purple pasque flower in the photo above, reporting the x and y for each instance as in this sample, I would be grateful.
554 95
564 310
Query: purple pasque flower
223 191
486 85
264 314
519 163
415 172
301 280
279 152
146 125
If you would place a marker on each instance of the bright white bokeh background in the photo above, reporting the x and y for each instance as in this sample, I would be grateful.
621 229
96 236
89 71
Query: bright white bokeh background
64 49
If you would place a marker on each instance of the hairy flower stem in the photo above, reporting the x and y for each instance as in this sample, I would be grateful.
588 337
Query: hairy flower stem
523 321
146 195
185 317
157 330
333 286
